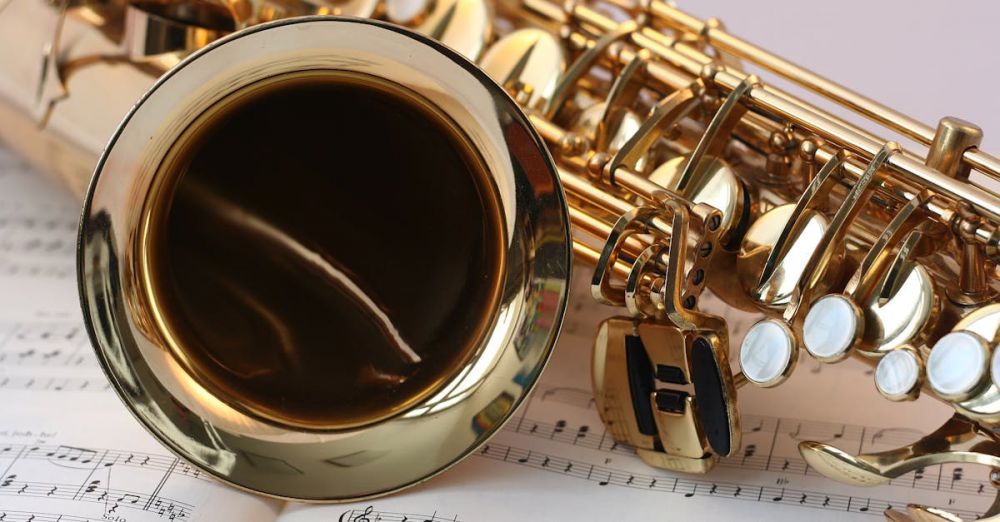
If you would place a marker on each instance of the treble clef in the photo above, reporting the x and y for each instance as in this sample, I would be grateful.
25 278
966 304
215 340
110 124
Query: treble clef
359 517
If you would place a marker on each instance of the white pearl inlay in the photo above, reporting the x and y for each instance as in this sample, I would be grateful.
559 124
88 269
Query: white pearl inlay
766 352
957 364
897 374
830 327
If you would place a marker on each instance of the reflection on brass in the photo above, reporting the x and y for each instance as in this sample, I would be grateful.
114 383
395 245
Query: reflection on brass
312 330
339 247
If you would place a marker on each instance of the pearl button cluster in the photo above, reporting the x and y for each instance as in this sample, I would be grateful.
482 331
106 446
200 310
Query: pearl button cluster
769 349
958 368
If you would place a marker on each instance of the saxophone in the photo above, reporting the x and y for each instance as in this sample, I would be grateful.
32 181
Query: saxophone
326 253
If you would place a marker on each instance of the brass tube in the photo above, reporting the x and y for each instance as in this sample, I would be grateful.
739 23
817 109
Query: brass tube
871 109
814 120
724 41
600 230
586 254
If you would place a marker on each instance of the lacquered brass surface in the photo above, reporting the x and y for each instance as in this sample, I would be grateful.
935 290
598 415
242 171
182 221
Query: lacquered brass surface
326 258
760 240
898 319
527 57
715 185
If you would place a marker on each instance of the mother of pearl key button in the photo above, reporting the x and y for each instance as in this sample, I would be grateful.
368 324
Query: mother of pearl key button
957 365
830 328
767 352
898 374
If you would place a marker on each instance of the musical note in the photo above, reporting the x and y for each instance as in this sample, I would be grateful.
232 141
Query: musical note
749 451
92 491
560 426
72 454
130 498
956 476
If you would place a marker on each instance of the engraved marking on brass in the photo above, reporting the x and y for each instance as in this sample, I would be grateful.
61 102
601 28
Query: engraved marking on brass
840 465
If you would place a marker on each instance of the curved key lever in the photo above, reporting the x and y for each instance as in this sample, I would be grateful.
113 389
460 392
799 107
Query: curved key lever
818 264
722 124
582 64
660 221
768 351
51 88
959 440
624 91
666 114
865 316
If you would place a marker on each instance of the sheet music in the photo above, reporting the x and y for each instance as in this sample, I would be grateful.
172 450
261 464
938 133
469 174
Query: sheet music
554 461
70 452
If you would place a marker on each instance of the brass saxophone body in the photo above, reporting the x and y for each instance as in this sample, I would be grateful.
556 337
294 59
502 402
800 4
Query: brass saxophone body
327 252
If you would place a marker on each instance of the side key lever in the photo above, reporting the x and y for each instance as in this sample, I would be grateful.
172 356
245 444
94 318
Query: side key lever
957 441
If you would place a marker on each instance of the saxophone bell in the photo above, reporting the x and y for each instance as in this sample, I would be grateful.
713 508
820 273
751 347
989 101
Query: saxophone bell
295 353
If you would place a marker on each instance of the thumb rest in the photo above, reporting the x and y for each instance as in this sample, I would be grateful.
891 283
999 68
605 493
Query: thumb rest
682 174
